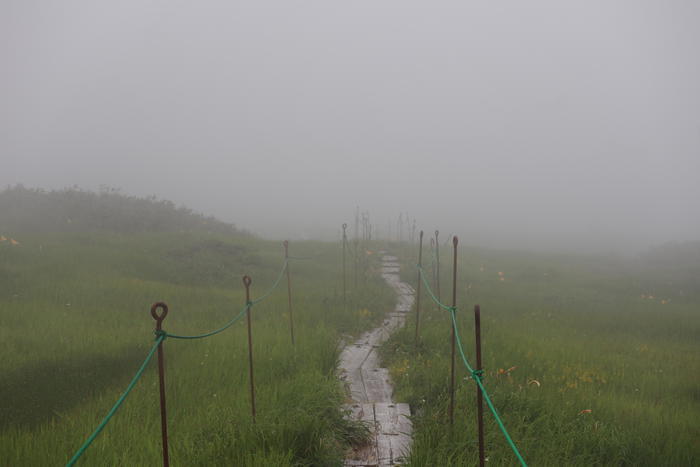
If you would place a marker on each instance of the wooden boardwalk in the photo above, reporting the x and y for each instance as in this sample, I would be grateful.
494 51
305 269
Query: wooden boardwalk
370 386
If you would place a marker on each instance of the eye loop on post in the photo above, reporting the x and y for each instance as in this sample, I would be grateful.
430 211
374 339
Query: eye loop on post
247 281
159 318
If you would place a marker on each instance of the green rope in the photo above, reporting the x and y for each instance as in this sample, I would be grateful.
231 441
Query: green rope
114 409
239 315
430 291
274 286
160 337
476 376
217 331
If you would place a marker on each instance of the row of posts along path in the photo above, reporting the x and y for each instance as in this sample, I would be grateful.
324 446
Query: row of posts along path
370 386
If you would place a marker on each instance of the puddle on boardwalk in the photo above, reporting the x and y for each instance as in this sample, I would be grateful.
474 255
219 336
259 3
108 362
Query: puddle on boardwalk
370 386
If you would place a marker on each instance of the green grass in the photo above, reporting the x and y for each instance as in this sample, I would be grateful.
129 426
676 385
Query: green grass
579 327
75 326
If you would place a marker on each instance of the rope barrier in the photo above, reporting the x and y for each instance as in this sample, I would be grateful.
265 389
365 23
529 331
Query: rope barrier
274 286
239 315
161 335
476 375
116 406
211 333
430 291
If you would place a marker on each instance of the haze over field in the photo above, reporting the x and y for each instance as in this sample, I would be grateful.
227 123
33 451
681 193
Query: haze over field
538 124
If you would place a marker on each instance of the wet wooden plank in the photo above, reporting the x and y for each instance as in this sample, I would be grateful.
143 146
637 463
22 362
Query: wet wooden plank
371 387
377 337
384 450
393 432
352 357
364 455
377 384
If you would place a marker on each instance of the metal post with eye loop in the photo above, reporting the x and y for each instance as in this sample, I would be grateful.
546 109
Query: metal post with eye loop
455 240
479 393
420 265
161 375
437 266
246 283
345 239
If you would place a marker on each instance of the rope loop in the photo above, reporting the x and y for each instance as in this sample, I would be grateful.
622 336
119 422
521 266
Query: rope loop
249 304
159 333
478 374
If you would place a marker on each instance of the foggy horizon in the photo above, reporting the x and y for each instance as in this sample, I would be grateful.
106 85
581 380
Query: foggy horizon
542 126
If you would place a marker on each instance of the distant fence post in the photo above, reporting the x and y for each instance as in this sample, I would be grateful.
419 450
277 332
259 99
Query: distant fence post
246 282
420 260
161 377
432 259
345 239
437 262
479 397
356 260
454 309
289 289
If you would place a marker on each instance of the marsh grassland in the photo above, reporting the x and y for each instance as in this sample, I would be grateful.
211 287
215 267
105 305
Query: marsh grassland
75 326
589 360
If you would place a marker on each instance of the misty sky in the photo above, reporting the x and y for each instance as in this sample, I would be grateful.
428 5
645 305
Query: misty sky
516 124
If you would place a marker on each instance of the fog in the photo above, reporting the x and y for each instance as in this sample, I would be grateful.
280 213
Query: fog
540 124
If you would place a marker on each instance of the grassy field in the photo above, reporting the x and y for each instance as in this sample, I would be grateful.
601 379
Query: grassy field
583 369
75 325
590 360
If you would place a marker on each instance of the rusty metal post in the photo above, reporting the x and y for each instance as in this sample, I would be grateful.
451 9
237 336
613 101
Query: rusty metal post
246 282
345 239
432 258
420 265
161 378
479 397
455 240
437 262
356 260
289 289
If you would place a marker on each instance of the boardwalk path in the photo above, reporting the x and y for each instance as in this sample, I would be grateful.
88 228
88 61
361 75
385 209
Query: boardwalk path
370 386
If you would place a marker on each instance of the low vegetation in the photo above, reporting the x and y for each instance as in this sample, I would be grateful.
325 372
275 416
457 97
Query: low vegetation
590 361
75 325
75 210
